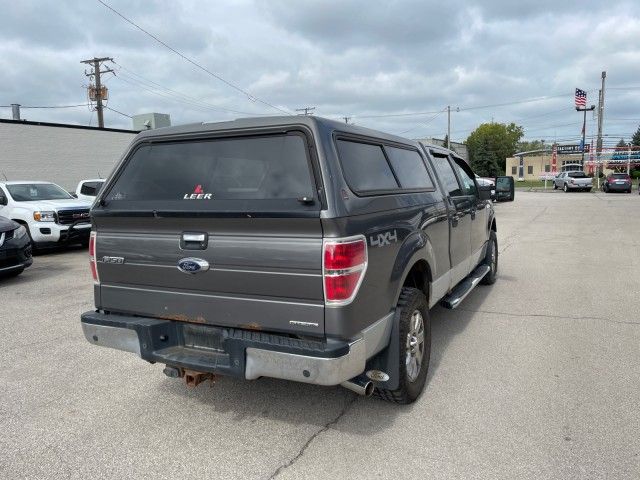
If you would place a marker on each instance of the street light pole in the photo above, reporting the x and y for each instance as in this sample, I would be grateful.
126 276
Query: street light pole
584 127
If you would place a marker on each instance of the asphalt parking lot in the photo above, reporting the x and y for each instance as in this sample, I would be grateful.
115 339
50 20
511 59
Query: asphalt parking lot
537 376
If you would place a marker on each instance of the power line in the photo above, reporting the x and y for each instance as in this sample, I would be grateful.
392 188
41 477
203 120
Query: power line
194 63
424 124
117 111
139 78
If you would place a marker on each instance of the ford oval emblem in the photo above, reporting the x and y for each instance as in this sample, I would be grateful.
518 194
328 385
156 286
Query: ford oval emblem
193 265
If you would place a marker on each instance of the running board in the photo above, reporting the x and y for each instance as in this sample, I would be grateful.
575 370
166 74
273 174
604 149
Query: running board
455 297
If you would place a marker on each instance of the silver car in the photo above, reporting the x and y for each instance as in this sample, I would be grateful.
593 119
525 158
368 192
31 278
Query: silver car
577 180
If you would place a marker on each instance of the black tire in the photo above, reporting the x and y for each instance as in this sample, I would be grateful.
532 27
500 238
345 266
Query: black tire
565 188
411 301
491 260
588 190
555 187
629 191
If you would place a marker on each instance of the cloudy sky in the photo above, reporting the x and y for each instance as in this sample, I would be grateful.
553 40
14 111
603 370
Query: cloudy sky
386 65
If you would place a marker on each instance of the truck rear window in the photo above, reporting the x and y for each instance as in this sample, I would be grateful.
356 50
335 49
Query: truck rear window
197 172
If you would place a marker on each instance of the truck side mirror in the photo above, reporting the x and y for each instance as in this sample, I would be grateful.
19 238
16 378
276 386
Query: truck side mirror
505 189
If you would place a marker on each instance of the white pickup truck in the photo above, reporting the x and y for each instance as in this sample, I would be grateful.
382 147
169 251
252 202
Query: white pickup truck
88 189
50 214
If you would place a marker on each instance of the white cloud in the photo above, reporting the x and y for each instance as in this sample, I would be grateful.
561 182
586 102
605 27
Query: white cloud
351 58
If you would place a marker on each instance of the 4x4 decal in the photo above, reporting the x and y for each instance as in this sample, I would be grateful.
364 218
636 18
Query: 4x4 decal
383 239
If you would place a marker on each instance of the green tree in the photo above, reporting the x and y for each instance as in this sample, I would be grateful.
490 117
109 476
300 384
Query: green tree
485 162
500 139
621 144
635 139
530 145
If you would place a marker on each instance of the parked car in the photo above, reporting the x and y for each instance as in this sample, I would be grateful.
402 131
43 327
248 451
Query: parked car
617 182
50 214
573 180
297 248
88 189
15 248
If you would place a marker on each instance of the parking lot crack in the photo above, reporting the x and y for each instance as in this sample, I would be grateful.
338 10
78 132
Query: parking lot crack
304 447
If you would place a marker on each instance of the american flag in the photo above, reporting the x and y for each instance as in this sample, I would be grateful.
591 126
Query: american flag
581 98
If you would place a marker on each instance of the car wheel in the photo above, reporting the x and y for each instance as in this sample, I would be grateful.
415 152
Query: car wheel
555 187
565 188
412 315
588 189
491 259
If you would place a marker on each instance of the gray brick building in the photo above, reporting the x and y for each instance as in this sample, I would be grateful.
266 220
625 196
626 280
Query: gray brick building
60 153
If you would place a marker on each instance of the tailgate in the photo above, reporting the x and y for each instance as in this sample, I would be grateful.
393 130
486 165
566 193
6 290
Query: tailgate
215 232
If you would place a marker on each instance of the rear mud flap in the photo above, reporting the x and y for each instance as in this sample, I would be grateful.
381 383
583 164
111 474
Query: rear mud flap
388 360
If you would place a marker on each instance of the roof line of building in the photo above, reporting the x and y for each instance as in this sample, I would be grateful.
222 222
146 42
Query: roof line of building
66 125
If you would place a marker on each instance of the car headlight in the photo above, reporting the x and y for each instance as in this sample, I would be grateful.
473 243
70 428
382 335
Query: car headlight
44 216
19 232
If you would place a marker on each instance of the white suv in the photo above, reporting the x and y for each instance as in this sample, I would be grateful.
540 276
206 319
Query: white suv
50 214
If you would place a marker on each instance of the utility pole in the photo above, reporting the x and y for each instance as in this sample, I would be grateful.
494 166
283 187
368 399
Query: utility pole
449 126
96 63
346 120
600 117
306 110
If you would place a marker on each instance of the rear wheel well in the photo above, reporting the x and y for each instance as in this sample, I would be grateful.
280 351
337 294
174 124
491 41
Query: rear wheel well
494 228
419 277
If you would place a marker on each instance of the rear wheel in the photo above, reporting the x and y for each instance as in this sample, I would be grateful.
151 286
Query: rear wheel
412 313
491 259
555 187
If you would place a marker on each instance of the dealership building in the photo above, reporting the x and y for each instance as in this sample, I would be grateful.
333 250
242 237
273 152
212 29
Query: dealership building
537 164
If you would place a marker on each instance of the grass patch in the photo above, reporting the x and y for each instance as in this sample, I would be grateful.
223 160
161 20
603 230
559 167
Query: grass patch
534 184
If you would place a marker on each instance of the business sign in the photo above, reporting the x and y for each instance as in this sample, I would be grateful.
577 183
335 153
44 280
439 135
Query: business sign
569 149
554 159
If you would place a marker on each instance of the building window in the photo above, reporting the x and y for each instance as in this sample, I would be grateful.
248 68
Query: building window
514 170
547 168
529 169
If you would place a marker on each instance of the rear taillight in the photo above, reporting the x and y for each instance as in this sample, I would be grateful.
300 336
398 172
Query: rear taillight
92 258
344 265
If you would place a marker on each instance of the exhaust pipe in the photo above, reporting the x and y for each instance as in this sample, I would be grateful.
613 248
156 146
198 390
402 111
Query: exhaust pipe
360 384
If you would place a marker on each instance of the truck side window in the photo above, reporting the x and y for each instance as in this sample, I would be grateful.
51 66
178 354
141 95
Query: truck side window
365 166
445 172
409 168
468 185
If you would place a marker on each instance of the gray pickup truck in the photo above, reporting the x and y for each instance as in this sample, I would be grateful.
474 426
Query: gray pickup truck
296 248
